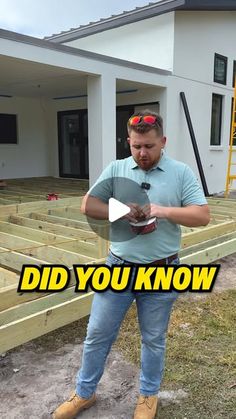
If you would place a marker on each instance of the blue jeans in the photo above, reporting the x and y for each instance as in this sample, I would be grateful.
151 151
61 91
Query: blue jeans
107 312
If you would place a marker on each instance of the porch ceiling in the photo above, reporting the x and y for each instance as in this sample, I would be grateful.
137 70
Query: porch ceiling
26 78
30 79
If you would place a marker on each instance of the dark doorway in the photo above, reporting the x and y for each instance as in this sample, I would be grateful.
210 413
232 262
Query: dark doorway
73 144
123 113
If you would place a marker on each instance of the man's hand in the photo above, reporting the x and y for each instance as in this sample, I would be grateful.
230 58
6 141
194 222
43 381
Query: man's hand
189 216
136 213
153 210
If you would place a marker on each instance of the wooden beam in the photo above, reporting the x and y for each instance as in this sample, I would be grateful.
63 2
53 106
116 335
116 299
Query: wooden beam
207 243
60 220
211 254
207 233
42 251
7 278
221 202
6 210
5 201
62 242
54 228
30 233
14 260
82 248
54 314
9 297
28 208
225 212
68 212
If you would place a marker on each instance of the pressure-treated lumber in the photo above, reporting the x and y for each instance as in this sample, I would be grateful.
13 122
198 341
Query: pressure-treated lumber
43 321
211 254
60 229
6 210
5 201
222 203
14 260
223 211
8 278
61 220
40 237
9 297
207 244
71 213
200 235
40 250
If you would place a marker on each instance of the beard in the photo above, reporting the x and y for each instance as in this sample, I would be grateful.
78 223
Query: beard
145 164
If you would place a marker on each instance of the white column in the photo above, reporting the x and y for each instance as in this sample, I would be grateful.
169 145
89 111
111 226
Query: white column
101 123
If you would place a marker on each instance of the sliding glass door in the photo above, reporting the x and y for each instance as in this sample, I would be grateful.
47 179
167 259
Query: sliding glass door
73 144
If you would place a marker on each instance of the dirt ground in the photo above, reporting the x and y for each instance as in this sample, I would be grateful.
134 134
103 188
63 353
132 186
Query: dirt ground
37 376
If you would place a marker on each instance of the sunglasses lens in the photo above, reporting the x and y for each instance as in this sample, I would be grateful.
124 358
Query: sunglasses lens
149 119
135 120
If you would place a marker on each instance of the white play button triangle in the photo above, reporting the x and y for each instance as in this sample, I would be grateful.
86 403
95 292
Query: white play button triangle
116 210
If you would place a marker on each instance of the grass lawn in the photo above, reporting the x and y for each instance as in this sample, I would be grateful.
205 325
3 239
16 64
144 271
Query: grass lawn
200 358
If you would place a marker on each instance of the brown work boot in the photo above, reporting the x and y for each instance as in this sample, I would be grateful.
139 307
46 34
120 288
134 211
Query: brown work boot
73 406
146 407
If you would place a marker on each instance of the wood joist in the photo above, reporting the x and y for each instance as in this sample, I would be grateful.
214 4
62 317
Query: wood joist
56 232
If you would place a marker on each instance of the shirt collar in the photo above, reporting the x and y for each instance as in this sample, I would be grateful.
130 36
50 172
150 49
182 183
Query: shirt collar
161 164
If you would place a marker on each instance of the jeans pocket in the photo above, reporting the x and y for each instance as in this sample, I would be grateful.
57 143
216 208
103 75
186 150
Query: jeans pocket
113 260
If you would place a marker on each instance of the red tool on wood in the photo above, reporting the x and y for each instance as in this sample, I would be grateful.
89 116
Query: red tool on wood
52 197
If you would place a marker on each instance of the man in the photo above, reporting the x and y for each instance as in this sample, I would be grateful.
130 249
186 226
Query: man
175 198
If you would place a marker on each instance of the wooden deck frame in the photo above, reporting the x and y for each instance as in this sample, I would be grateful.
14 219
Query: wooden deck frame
42 232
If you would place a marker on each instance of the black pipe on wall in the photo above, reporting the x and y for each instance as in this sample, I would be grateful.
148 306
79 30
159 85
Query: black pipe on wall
194 143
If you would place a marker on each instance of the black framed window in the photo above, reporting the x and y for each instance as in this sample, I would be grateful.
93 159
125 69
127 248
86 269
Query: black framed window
8 128
234 73
220 69
216 119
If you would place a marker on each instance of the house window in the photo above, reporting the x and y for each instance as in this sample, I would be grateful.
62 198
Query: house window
220 69
8 129
216 119
234 73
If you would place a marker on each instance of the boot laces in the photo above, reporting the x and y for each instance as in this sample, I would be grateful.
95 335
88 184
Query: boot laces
146 400
73 398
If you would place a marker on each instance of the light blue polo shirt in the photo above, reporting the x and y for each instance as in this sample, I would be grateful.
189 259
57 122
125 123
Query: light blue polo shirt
173 184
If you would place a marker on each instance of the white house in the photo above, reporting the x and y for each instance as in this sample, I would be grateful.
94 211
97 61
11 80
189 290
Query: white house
65 100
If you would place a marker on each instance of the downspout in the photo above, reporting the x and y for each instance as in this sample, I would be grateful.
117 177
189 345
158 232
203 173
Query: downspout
194 144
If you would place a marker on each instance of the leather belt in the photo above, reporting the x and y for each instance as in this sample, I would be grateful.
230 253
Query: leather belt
165 261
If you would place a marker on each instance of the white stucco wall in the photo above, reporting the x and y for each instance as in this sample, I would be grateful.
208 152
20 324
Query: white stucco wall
198 36
31 156
147 42
186 43
214 159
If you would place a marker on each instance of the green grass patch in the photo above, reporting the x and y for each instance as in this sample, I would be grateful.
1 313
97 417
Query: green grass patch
200 357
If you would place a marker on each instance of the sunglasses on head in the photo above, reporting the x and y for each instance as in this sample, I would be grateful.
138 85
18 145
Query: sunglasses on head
147 119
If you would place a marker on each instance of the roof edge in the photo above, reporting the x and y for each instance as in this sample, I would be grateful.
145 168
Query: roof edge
141 13
30 40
